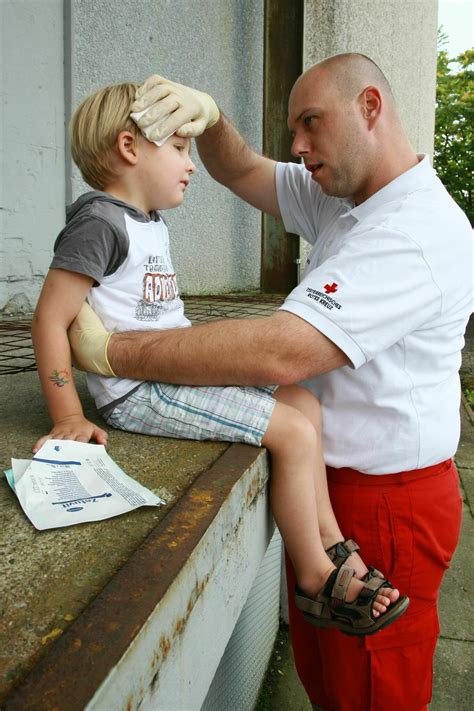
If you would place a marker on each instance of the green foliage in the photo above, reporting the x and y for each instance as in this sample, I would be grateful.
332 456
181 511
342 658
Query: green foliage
454 129
469 397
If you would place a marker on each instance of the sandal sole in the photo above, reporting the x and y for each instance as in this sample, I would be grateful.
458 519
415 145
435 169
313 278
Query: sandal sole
386 619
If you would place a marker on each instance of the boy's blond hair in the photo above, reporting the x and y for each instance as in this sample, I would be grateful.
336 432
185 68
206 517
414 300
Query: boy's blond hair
94 128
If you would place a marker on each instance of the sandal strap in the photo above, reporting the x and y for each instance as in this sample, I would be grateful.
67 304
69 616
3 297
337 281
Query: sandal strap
316 606
339 552
307 604
374 573
372 586
342 582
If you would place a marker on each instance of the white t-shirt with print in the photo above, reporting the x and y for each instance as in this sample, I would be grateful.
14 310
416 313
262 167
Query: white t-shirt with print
127 253
141 295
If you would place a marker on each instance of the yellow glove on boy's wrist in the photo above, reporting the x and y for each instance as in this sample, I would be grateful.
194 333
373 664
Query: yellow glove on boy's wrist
89 340
163 107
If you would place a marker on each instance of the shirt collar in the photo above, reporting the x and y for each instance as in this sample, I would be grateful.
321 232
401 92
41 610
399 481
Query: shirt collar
409 181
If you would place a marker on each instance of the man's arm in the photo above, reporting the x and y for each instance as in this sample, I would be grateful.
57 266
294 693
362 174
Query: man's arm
234 164
280 349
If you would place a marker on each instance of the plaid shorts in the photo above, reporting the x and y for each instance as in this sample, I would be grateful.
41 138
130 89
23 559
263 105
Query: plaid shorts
230 414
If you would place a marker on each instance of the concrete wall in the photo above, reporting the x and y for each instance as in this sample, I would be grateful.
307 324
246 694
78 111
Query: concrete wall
214 46
55 52
32 190
217 47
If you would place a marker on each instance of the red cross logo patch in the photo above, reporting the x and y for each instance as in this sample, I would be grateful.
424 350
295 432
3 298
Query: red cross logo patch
331 288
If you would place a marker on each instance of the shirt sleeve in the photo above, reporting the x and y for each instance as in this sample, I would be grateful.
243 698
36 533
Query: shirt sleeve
377 289
89 246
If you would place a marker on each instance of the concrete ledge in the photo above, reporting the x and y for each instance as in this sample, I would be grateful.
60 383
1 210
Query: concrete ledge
154 595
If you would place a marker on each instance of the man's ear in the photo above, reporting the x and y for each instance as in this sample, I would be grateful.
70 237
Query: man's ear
371 105
127 147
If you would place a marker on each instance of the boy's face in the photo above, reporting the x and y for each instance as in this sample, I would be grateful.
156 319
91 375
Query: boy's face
164 172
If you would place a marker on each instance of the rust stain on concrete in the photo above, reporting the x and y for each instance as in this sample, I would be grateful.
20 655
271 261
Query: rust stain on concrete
82 657
165 646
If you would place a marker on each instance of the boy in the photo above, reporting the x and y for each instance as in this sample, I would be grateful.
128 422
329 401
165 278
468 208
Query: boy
114 251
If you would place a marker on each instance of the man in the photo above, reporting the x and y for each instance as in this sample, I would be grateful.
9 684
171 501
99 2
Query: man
375 329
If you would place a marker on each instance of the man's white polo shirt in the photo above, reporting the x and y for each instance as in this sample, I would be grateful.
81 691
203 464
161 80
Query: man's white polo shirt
389 282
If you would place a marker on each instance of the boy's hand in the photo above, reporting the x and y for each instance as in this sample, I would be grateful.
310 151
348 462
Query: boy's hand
76 428
88 340
165 107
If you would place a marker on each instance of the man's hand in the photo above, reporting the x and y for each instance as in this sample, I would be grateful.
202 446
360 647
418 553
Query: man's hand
163 107
77 428
89 340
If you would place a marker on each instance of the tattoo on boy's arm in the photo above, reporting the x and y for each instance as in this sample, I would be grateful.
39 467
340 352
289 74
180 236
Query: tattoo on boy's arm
59 377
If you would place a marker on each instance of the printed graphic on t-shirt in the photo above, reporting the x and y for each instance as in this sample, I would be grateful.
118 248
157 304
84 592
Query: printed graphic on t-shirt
159 292
324 298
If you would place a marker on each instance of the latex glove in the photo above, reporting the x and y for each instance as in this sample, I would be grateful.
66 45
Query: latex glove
163 107
89 340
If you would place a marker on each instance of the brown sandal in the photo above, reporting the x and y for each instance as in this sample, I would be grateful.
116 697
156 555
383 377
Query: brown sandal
330 609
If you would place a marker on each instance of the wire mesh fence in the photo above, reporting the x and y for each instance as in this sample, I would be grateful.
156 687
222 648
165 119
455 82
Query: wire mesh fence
16 348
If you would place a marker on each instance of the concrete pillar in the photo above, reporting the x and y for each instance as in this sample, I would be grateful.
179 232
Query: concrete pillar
400 36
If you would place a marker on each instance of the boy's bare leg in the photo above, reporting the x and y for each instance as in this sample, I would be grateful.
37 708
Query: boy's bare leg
299 494
292 442
303 401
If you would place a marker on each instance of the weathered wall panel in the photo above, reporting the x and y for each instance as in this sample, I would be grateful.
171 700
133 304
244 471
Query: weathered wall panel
32 189
217 47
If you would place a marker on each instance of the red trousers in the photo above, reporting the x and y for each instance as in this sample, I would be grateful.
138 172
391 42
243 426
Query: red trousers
407 525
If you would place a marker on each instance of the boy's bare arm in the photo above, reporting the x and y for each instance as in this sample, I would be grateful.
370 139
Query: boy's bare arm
61 299
233 163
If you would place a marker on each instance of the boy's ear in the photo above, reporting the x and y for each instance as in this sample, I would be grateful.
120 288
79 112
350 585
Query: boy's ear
127 147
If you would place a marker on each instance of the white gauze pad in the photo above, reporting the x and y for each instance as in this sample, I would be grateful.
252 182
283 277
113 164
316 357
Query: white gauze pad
136 116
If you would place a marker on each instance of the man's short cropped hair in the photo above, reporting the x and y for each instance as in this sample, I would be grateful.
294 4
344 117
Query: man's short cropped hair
94 129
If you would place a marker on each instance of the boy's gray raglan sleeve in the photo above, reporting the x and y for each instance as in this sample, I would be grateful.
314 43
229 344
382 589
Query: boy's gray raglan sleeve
89 246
